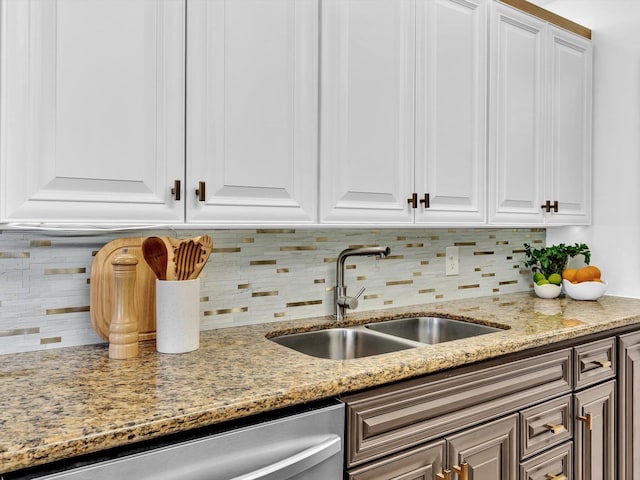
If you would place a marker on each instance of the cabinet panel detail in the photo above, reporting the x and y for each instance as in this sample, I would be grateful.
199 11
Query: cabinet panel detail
93 108
552 464
451 82
517 112
388 419
545 425
422 463
252 111
367 141
595 436
595 362
629 407
489 450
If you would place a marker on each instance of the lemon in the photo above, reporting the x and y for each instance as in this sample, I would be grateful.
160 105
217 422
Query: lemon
555 278
538 276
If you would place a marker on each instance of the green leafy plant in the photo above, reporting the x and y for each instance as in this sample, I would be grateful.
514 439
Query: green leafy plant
553 259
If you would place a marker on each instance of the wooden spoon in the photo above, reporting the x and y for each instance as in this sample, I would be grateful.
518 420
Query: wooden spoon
154 251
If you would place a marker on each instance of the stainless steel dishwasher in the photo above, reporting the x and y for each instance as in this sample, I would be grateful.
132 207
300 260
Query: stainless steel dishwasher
304 445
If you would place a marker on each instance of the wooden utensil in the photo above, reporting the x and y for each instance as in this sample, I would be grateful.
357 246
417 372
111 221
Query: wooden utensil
185 255
206 245
155 253
190 256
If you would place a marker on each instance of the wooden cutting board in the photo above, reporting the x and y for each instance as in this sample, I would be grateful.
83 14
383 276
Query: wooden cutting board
103 289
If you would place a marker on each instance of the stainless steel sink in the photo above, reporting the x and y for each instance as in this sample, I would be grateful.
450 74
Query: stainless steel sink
431 329
342 343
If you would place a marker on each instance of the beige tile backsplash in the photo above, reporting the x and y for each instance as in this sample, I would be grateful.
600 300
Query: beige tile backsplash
256 276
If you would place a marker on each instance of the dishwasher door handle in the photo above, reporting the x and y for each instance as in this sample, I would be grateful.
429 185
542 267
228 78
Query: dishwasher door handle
298 463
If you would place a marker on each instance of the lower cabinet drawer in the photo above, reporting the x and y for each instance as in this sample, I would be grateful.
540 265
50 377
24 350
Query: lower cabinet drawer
594 362
556 464
545 425
421 462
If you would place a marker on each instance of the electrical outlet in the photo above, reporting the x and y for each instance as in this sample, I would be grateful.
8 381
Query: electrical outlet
452 261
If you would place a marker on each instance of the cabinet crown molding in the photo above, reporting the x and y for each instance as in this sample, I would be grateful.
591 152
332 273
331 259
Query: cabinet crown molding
550 17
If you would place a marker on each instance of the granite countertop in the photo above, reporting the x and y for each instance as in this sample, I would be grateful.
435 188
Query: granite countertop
61 403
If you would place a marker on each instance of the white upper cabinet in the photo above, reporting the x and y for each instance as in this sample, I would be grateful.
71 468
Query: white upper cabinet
92 111
569 158
451 96
252 114
403 92
367 111
540 122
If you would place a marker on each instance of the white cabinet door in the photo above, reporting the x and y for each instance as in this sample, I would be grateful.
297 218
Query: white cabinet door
252 115
516 140
367 111
93 109
569 158
451 111
540 122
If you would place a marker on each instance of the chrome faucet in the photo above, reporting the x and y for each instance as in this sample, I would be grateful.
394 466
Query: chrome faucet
342 301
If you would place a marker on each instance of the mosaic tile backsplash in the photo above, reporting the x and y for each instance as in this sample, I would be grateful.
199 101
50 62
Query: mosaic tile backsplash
256 276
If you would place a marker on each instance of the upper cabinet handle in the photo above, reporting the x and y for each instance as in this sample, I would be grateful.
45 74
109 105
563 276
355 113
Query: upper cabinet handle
175 191
425 200
413 200
201 192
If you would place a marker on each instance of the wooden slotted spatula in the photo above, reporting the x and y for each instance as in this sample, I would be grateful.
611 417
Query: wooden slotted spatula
186 254
206 245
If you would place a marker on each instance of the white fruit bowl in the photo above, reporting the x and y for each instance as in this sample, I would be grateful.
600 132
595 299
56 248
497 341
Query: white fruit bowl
548 290
585 290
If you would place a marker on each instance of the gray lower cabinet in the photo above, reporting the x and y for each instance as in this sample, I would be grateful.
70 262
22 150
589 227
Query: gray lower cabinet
555 464
421 463
595 433
486 452
629 406
544 417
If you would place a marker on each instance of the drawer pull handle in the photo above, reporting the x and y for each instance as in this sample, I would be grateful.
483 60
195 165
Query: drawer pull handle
551 476
462 470
555 428
446 475
587 420
604 363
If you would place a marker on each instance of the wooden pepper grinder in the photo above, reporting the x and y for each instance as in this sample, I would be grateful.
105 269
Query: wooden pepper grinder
123 331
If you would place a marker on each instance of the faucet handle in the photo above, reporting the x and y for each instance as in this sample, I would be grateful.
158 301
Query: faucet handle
352 302
360 292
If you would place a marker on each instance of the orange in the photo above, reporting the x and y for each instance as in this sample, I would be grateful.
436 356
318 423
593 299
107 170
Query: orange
569 274
588 274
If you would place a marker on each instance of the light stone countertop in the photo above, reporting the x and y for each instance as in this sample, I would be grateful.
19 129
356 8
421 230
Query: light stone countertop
65 402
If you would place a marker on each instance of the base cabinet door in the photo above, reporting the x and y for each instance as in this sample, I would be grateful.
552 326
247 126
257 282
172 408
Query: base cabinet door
487 452
422 463
595 433
629 407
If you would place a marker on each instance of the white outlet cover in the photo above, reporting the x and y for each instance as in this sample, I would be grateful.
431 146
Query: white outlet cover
452 261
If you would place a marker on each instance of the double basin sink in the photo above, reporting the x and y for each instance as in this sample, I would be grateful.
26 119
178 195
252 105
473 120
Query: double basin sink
383 337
